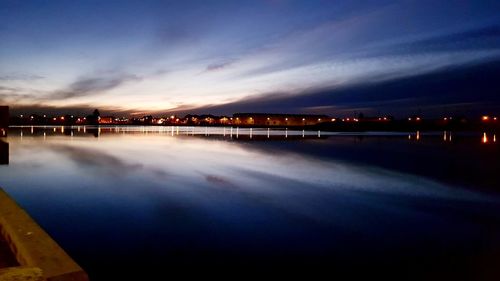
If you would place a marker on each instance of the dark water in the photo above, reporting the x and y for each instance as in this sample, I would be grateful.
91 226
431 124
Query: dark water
130 201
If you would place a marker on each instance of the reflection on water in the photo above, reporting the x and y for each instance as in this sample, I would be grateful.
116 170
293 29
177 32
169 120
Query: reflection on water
150 198
231 132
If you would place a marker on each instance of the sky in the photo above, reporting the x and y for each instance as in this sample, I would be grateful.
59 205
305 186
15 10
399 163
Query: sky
221 57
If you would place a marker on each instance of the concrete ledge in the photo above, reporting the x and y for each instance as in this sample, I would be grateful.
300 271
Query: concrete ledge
33 247
21 273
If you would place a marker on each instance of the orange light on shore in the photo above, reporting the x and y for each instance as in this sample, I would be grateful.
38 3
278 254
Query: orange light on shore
418 118
486 118
333 119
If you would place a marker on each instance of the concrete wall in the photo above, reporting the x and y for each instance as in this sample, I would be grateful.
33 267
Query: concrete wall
260 119
34 249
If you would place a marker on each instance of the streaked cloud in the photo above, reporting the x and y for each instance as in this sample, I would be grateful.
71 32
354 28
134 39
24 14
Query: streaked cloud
20 77
87 86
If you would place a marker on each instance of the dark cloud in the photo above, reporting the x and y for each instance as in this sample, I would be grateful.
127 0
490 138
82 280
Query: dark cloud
20 77
87 86
471 89
77 110
466 90
13 94
218 66
219 181
487 34
480 38
8 90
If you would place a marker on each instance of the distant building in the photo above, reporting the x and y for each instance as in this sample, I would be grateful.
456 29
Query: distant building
268 119
106 120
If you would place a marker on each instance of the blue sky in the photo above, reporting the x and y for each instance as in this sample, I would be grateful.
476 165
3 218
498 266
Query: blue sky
134 57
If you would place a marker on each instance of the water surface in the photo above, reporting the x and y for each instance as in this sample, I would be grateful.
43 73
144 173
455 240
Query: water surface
414 205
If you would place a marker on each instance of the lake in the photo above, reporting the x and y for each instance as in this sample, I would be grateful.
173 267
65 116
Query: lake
136 201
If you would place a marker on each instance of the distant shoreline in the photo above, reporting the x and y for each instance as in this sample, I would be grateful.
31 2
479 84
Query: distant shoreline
394 126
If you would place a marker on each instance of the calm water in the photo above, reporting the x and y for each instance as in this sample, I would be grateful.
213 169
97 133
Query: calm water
125 200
